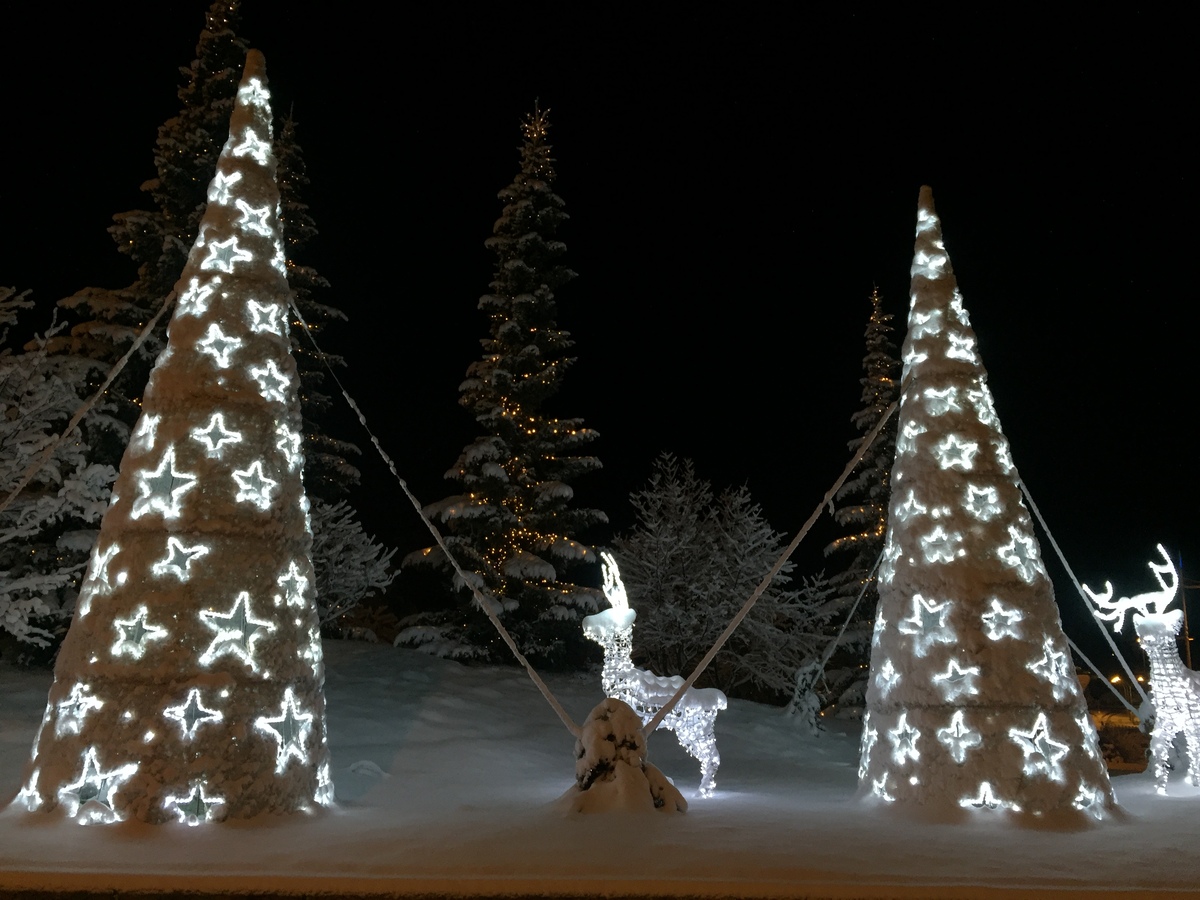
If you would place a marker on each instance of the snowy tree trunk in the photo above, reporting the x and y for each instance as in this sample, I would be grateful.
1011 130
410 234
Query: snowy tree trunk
190 684
973 701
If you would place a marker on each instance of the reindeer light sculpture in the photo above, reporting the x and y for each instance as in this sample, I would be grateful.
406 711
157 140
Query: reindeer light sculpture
1174 689
693 718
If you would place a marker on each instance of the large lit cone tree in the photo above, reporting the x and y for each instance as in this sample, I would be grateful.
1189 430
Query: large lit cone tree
189 686
972 702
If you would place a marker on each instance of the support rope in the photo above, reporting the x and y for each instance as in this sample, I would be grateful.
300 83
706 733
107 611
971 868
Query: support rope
650 726
1079 589
37 464
485 603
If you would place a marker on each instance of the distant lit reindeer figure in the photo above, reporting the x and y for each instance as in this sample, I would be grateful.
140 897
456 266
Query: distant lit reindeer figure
692 719
1175 690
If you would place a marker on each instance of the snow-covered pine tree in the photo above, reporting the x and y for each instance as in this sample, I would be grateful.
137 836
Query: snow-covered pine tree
158 241
973 703
513 523
49 527
861 510
689 564
189 686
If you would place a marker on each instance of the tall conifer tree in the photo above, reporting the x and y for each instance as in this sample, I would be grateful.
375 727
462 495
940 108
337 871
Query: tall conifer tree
513 523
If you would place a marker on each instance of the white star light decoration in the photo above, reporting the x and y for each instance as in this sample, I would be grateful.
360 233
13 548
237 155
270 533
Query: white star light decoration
961 347
927 323
985 799
133 633
144 435
941 546
290 728
927 625
983 502
179 559
254 147
272 383
904 741
98 582
219 346
958 738
195 808
191 714
90 799
214 436
906 441
237 632
224 255
266 318
161 490
73 710
220 191
287 442
911 507
1053 667
293 584
869 737
194 301
1042 753
940 402
985 407
1002 621
1021 553
255 94
254 486
886 678
255 219
954 453
957 681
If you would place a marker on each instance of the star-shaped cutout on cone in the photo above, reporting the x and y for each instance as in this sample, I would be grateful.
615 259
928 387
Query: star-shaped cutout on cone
983 502
1053 667
214 436
145 433
191 713
179 559
253 93
985 799
1043 754
161 490
237 632
255 219
904 741
196 807
195 300
254 147
952 452
265 318
133 633
95 788
73 710
958 738
942 546
957 681
927 625
219 346
254 486
272 383
1021 553
223 255
293 585
1001 622
220 189
290 728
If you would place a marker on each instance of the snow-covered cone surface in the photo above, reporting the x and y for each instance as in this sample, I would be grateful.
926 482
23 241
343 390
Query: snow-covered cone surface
973 701
190 684
611 772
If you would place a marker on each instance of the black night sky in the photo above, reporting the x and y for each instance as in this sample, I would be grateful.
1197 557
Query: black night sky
737 183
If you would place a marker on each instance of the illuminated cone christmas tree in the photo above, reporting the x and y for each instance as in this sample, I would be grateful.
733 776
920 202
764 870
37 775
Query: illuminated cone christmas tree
972 701
190 684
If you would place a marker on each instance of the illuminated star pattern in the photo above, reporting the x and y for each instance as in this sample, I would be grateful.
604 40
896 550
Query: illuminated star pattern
223 255
95 787
953 452
220 189
254 486
1042 753
906 441
161 490
144 435
254 219
904 740
214 436
237 632
958 738
254 147
191 713
194 808
1053 667
255 94
73 710
911 507
179 559
132 634
265 318
927 625
272 383
940 402
985 799
961 347
1001 622
957 681
194 301
290 728
983 502
886 678
287 442
293 585
219 346
1021 553
941 546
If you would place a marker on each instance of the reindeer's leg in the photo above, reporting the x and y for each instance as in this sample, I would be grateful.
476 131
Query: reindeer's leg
694 730
1161 740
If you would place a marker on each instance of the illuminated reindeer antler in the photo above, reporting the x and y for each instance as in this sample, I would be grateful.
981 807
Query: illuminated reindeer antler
1151 603
614 587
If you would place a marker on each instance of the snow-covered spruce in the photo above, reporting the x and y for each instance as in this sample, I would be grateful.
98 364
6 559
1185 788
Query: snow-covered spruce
189 686
973 703
611 772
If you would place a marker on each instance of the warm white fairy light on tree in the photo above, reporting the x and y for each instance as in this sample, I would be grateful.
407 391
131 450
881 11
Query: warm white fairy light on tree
972 702
189 687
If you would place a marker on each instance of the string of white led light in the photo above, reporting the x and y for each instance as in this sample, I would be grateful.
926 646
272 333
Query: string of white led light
83 410
469 580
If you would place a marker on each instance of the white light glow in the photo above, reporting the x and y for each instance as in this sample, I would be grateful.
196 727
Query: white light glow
144 435
195 300
287 442
191 714
195 808
253 93
985 799
1043 754
219 346
927 625
290 728
266 318
237 632
983 502
254 147
940 402
73 710
957 681
1004 456
255 219
1054 667
866 745
272 383
942 546
224 255
179 559
906 441
293 585
952 452
959 309
910 507
214 436
1002 621
254 486
961 347
132 634
220 189
958 738
904 741
923 324
886 678
161 490
90 799
1021 553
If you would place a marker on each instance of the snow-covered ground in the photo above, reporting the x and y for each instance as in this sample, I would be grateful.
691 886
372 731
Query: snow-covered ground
446 778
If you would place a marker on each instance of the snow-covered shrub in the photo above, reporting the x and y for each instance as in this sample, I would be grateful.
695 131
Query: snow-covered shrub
689 564
350 565
46 528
